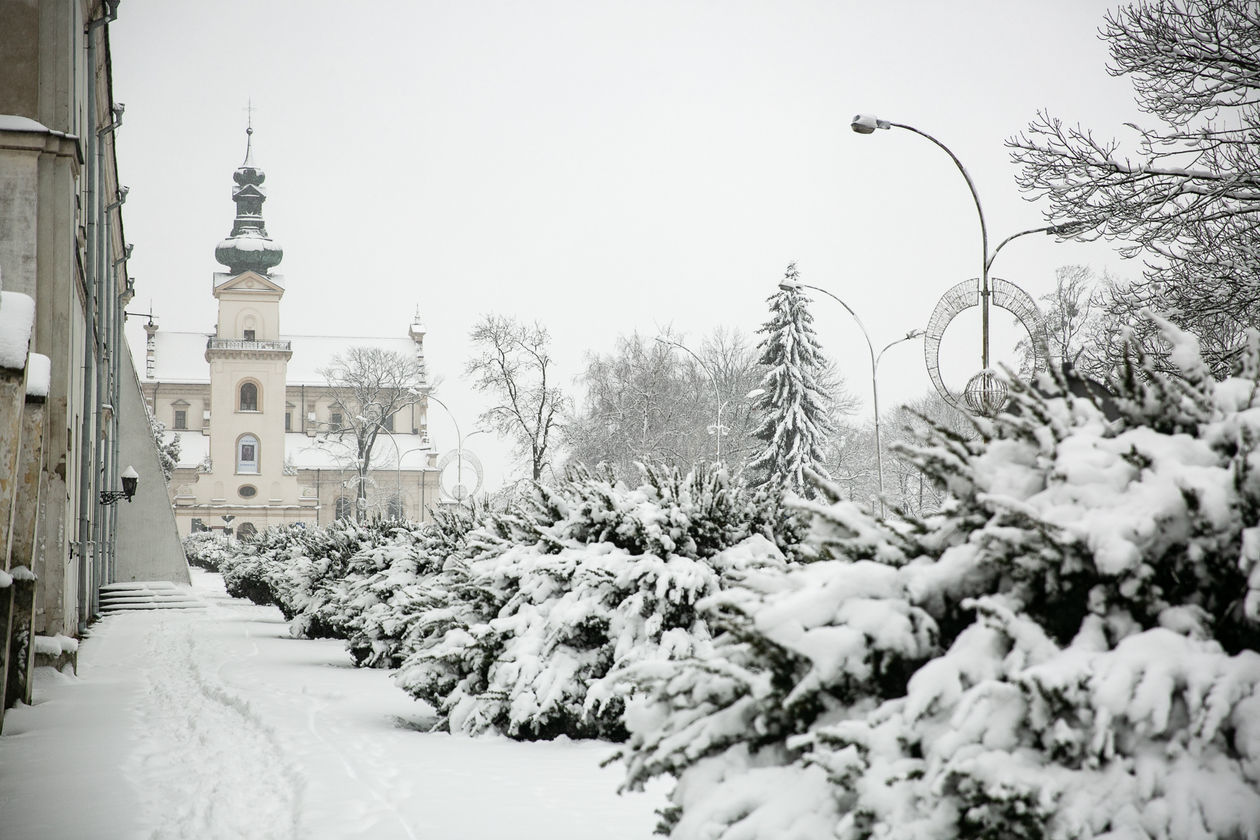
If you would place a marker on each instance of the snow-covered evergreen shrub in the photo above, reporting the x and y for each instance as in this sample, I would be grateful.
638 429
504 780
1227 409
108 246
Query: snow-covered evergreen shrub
545 599
206 549
384 601
253 569
1068 650
319 565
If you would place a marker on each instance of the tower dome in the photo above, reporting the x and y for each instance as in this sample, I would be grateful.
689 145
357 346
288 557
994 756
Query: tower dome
248 248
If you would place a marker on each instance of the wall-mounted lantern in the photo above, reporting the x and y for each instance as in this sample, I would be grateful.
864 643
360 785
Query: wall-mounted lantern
130 478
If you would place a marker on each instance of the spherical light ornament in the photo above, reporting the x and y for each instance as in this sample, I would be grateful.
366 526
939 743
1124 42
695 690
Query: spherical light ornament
986 393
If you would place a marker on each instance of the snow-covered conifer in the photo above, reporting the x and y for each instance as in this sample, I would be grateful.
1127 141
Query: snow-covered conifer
794 405
1070 648
543 600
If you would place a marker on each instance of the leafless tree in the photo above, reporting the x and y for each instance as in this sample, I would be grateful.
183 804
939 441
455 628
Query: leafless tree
1187 194
1071 319
513 362
851 460
649 401
368 387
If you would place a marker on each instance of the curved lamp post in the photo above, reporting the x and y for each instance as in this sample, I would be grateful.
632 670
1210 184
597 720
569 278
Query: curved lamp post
717 394
868 124
795 285
459 443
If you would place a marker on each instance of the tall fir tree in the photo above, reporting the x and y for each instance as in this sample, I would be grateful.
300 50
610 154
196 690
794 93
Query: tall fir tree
795 405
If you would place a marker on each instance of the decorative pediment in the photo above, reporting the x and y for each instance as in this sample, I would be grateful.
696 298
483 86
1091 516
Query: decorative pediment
248 281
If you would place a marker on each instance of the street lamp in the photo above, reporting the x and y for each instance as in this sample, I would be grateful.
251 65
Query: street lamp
868 124
398 474
130 480
459 444
717 394
795 286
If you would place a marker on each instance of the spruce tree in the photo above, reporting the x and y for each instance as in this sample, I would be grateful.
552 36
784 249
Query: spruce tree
794 404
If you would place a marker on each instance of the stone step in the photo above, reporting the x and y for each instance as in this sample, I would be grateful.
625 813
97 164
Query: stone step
147 595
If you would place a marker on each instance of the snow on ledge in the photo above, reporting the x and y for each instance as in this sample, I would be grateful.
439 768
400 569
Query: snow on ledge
55 645
12 122
38 375
17 319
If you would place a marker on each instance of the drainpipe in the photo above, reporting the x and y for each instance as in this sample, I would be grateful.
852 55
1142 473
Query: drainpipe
108 309
87 431
116 401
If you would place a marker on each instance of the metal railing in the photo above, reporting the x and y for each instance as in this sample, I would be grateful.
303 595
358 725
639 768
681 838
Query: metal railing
241 344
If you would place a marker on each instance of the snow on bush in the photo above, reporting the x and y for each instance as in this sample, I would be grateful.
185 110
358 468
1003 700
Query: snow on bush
1068 650
206 549
307 571
388 597
588 575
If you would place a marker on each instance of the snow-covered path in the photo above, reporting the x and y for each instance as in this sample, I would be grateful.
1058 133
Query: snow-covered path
217 724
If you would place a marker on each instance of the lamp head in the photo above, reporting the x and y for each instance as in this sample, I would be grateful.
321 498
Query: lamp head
130 479
788 285
867 123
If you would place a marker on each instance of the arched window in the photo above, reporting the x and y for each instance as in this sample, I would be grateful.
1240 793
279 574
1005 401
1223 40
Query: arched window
247 455
246 531
249 397
394 508
344 508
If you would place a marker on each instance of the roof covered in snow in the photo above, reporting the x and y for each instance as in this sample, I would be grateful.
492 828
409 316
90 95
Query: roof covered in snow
180 356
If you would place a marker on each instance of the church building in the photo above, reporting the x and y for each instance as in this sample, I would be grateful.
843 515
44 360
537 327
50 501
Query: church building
264 439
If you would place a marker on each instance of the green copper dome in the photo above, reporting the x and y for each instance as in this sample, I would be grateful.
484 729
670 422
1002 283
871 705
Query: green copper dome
248 248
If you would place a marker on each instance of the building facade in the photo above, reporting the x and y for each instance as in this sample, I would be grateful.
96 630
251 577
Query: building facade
265 438
71 416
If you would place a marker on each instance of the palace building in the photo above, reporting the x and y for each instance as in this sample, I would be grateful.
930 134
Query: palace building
264 439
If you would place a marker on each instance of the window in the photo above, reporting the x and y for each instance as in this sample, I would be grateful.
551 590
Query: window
198 526
247 490
249 335
394 510
181 418
288 421
247 455
344 507
388 423
334 421
249 397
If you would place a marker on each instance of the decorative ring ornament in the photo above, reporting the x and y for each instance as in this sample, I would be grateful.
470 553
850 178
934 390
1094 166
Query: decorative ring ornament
983 388
452 486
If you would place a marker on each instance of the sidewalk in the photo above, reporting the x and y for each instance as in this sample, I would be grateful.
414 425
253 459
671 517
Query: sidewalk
216 724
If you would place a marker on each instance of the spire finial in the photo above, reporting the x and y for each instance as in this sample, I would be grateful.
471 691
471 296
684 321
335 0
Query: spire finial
249 132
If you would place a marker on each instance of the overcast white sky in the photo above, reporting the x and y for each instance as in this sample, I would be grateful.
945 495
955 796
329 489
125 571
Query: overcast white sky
601 167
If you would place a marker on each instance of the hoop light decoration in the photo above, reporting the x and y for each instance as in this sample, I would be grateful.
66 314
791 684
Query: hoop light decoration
452 485
985 392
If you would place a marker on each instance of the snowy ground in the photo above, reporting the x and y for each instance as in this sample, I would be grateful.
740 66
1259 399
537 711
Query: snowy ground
217 724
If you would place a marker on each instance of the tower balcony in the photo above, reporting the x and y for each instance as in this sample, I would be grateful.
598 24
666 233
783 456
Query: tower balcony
239 347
